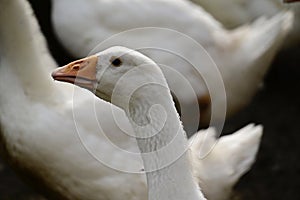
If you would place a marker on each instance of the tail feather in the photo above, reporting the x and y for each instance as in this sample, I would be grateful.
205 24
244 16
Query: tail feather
228 158
252 49
263 37
244 145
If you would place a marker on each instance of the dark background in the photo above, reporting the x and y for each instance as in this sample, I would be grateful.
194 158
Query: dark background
275 175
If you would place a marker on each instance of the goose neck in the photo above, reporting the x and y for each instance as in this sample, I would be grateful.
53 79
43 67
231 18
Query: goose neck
163 144
23 47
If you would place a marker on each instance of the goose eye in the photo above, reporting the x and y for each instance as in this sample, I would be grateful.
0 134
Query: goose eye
116 62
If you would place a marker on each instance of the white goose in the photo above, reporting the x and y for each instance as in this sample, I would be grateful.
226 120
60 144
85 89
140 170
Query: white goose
234 13
136 84
40 138
242 55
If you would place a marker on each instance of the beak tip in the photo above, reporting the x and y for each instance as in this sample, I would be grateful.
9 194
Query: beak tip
54 74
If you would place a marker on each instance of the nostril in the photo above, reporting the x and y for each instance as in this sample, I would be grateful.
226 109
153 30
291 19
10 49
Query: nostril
76 67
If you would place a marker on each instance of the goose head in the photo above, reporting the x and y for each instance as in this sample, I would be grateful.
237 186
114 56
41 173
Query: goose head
105 72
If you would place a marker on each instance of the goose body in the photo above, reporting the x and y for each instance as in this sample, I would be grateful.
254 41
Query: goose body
234 13
50 137
242 56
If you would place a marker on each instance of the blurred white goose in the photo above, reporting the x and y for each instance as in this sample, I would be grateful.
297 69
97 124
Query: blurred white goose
242 55
136 84
48 135
234 13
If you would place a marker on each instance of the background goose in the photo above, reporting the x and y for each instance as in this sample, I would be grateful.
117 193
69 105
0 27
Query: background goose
242 55
234 13
38 133
243 140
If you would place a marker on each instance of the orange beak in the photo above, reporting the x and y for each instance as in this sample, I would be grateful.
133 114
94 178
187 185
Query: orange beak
81 72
